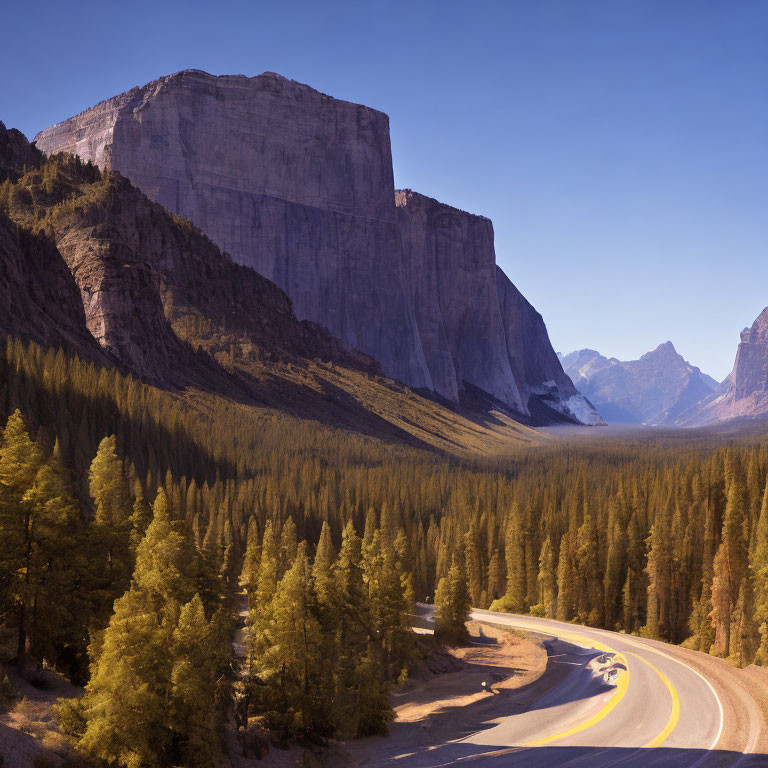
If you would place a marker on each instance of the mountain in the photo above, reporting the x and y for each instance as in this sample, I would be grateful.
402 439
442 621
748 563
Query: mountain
744 393
299 186
91 265
656 389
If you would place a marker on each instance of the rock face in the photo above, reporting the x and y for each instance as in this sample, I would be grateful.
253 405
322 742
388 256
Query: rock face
534 363
39 298
288 181
744 393
452 274
656 389
299 186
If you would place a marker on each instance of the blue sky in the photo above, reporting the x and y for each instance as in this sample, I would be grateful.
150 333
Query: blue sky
620 147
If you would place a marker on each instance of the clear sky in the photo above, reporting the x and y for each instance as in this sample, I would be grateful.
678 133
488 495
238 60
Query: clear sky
620 146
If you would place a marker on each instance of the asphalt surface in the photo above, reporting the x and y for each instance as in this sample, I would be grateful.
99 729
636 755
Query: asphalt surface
626 702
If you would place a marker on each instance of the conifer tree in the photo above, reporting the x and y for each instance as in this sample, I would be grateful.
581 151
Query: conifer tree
195 717
566 592
57 570
112 522
473 564
494 577
590 599
291 665
453 603
547 580
731 562
322 572
514 597
249 576
759 573
20 461
126 701
141 517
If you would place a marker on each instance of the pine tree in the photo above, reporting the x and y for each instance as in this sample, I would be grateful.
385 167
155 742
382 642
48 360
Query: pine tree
195 718
630 613
547 580
566 592
453 603
249 576
590 599
141 517
731 562
322 573
759 573
20 461
126 700
354 716
473 564
57 569
514 598
615 568
291 665
112 522
494 577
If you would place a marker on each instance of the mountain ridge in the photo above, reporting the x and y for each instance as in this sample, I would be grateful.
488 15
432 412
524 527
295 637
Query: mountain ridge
655 389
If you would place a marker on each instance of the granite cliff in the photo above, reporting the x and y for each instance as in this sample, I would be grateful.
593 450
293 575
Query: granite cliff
299 186
744 393
452 274
286 180
655 390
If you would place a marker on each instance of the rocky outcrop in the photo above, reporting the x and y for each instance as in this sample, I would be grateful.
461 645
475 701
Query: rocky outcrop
39 299
655 390
16 153
744 393
299 186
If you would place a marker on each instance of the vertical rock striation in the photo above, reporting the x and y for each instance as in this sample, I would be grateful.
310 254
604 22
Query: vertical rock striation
299 186
452 266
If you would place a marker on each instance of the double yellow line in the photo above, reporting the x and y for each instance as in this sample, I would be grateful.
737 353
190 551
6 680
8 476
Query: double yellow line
621 689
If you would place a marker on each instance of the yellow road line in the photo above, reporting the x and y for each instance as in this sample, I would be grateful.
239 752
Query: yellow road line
621 689
674 716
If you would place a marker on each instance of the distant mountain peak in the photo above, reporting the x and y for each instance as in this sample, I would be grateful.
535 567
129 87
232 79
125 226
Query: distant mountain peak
655 389
665 349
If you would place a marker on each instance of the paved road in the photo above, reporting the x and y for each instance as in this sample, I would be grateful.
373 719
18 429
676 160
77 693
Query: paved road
626 702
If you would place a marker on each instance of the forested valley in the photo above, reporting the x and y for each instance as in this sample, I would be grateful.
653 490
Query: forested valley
132 519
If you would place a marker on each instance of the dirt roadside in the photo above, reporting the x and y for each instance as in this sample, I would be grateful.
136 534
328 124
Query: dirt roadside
452 705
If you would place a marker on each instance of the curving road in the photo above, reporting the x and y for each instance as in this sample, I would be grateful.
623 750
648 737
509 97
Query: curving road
624 701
